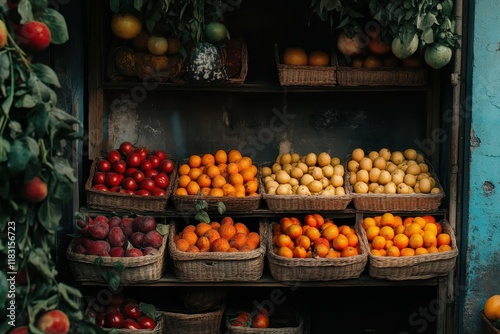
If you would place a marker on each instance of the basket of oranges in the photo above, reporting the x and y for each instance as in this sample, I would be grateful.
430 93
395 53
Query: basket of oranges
411 248
227 177
314 249
224 250
297 68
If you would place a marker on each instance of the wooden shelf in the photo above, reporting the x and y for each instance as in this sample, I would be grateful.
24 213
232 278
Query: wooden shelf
169 280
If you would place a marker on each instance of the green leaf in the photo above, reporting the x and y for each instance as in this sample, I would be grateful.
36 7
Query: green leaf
3 290
25 11
39 118
201 205
50 214
202 216
69 294
221 207
447 6
119 266
138 4
4 149
114 280
56 24
162 229
427 36
62 167
46 74
22 151
38 258
27 101
150 310
40 3
114 5
429 20
63 116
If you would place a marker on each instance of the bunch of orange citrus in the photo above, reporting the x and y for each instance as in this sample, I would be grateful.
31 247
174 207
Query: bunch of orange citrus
314 237
223 236
220 174
390 235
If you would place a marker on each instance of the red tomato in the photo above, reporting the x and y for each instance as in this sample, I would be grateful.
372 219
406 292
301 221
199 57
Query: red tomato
132 311
113 156
114 319
133 160
147 322
138 176
112 180
104 166
143 153
100 187
260 321
147 184
119 167
126 148
166 166
160 154
142 192
34 36
130 171
161 180
131 324
129 184
159 192
100 320
155 161
151 173
99 178
146 165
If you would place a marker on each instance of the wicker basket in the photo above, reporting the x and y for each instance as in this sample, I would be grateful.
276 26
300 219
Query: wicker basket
137 269
313 269
240 79
422 266
102 200
159 329
282 203
194 323
488 327
348 76
297 328
294 75
396 202
217 266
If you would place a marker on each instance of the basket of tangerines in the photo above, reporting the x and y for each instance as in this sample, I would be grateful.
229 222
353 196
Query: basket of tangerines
417 247
225 176
314 248
217 250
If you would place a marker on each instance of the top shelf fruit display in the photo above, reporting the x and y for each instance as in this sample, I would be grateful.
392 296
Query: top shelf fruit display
179 41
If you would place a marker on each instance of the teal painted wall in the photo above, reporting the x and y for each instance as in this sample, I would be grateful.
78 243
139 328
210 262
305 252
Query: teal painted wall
482 233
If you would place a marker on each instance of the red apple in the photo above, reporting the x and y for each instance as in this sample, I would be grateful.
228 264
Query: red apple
53 322
34 191
20 330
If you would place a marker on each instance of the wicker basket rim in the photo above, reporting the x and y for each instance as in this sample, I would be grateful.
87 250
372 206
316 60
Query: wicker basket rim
159 328
244 65
384 261
176 254
129 262
220 309
383 69
332 67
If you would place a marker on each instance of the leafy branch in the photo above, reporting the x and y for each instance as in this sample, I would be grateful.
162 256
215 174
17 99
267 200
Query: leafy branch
201 210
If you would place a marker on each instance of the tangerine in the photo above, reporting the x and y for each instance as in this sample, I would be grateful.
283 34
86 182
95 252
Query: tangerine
220 157
295 56
318 58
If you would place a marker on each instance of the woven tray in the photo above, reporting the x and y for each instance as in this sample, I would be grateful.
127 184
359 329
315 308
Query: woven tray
281 203
159 329
217 266
396 202
102 200
348 76
194 323
299 329
488 327
137 269
310 269
294 75
411 267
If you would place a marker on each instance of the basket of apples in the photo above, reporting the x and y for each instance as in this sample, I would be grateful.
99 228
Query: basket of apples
125 315
132 248
131 178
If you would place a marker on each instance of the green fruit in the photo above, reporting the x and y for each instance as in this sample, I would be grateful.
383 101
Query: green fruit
437 55
403 51
216 33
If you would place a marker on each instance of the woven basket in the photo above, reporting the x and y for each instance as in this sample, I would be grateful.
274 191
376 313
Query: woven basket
294 75
108 201
298 329
281 203
232 203
422 266
217 266
240 80
159 329
313 269
488 327
396 202
194 323
348 76
137 269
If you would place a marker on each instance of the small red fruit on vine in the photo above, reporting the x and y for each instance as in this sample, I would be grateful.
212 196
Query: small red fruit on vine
33 36
53 322
34 191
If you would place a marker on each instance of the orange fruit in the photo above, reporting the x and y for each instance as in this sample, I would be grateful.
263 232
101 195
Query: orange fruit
232 168
248 174
376 252
182 244
217 192
192 249
340 242
387 219
244 163
349 251
388 243
331 232
218 181
220 157
299 252
191 228
190 237
181 191
285 252
184 181
251 186
345 230
421 250
429 219
295 56
215 225
125 26
283 240
378 242
353 240
212 235
303 241
313 233
318 58
393 251
227 231
413 228
420 221
183 169
232 250
229 189
432 249
444 248
236 178
238 240
399 229
492 308
194 161
219 245
323 241
443 239
321 250
227 220
204 181
401 241
378 47
407 252
241 228
368 222
430 240
234 155
207 159
205 191
201 228
192 188
194 173
212 171
397 221
333 254
372 232
387 232
294 231
431 227
416 241
203 244
253 240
